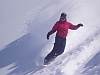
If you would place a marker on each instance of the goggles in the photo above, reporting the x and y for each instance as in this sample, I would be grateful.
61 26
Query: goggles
62 17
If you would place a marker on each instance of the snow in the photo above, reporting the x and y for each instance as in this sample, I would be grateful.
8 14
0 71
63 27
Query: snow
23 44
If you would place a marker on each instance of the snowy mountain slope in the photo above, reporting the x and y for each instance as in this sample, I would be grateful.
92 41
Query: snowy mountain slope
21 57
69 62
21 54
93 66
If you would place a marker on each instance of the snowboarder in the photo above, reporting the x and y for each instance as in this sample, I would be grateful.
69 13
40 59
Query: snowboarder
61 27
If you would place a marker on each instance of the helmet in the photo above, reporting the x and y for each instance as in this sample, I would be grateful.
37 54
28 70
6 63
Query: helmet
63 15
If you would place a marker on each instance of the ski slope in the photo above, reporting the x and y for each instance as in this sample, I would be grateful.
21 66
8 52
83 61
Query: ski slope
23 43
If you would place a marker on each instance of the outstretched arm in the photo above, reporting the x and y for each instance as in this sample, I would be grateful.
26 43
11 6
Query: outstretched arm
54 29
74 27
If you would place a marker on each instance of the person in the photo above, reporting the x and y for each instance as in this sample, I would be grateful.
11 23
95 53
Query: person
61 27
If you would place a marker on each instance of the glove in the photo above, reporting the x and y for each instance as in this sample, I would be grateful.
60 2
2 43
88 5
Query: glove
80 25
48 35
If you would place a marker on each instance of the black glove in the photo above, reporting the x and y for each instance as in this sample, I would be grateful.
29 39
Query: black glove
48 35
80 25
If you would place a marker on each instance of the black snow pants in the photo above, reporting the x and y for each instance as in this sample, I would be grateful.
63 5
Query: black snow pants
58 49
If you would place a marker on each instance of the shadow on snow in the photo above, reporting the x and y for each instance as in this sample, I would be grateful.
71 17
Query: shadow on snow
23 52
93 66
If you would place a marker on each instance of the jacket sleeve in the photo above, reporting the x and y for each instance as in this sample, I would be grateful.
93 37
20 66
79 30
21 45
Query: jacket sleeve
73 27
54 29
